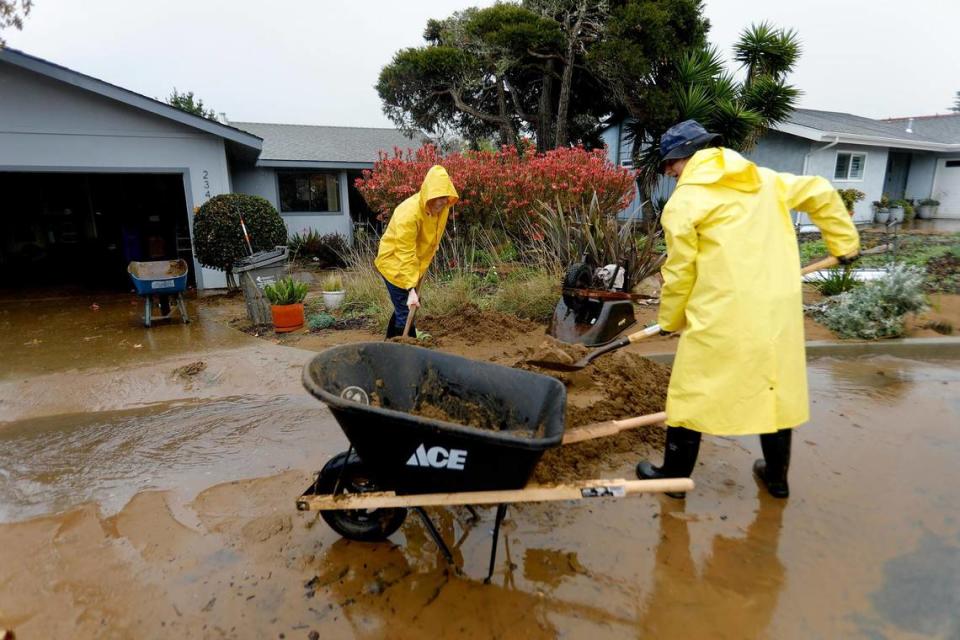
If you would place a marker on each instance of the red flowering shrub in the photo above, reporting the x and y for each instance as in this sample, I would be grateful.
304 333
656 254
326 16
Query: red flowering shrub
501 184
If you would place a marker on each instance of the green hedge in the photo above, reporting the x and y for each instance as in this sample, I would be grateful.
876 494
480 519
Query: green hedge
218 237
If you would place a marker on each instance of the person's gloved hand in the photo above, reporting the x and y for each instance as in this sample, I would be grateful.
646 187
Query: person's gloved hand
413 300
849 259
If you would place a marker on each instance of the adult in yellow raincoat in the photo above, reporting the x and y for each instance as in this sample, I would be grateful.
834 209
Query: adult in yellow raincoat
410 242
732 283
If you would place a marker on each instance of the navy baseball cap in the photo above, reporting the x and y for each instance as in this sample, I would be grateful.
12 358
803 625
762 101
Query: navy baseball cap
683 140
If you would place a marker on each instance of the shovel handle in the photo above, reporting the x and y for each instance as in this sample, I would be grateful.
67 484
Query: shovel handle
406 327
649 332
622 342
826 263
611 427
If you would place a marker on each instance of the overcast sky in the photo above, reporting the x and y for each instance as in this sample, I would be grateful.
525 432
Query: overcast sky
316 62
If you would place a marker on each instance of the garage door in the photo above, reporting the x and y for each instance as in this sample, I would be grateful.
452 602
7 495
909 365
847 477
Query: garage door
946 188
82 229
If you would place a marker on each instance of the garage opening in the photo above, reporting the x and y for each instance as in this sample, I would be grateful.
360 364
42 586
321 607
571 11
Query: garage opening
80 230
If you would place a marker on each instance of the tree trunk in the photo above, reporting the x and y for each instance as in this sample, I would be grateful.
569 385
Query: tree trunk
545 120
507 135
563 104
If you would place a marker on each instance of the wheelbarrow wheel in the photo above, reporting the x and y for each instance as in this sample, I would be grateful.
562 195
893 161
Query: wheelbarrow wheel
365 525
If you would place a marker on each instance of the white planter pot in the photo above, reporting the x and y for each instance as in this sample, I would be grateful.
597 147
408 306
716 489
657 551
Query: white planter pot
896 214
333 299
881 216
926 212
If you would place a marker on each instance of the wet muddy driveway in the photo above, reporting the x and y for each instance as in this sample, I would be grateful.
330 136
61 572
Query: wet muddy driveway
148 541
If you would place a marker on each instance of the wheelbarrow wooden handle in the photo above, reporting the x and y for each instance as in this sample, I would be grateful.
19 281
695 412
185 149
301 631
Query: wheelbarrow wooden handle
611 427
574 490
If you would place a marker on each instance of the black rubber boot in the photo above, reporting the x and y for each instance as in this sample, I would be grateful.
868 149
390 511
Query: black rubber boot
392 330
679 458
772 470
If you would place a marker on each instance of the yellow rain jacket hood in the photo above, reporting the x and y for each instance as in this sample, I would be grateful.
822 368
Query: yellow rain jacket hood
412 236
731 282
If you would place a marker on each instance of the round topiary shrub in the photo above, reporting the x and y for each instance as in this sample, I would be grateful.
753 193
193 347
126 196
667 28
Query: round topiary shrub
218 237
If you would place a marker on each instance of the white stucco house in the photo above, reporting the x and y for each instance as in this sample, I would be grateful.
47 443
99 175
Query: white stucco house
915 157
93 175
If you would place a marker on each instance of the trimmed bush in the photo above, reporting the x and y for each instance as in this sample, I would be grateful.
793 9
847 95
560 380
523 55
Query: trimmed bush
218 236
503 186
877 309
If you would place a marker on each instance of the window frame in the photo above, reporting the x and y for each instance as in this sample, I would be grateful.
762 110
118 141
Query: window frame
312 173
849 165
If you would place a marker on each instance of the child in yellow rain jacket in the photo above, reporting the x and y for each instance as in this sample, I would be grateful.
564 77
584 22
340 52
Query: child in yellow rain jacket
732 283
410 242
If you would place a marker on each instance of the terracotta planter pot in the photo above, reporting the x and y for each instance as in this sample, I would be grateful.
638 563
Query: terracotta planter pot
287 317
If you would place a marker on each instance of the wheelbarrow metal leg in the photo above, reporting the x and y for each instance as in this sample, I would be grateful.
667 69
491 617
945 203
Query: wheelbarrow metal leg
182 306
501 512
432 530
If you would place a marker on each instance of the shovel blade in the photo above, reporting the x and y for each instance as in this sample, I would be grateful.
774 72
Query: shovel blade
557 366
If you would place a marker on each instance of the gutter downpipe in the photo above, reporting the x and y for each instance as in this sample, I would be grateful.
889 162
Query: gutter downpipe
806 164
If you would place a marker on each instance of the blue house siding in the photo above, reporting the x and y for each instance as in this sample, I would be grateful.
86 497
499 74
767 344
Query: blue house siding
262 181
781 152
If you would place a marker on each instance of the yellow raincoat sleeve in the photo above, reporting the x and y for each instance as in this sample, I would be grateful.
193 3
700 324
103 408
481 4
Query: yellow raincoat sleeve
405 251
680 270
816 197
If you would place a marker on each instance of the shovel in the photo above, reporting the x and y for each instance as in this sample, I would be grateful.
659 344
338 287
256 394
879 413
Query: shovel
832 261
619 343
406 327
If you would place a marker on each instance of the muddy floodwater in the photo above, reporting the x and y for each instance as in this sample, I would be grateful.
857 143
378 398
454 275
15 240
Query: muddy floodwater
177 519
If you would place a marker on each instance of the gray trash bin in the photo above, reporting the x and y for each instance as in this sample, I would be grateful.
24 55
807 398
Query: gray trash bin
256 272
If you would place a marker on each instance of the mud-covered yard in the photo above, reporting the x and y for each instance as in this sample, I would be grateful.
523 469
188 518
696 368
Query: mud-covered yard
148 478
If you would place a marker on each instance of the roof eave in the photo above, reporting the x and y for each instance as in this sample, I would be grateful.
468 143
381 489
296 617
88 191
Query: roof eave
820 135
89 83
311 164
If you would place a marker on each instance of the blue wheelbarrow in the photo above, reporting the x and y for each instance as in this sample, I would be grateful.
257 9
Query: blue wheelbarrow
157 282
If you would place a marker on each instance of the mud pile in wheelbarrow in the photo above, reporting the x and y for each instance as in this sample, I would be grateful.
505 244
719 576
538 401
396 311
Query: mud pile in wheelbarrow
615 386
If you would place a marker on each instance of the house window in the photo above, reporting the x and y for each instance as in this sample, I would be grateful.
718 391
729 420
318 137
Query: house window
303 191
849 166
953 163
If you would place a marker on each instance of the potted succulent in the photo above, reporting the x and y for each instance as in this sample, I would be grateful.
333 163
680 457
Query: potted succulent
881 209
896 210
928 208
851 197
909 210
286 304
333 291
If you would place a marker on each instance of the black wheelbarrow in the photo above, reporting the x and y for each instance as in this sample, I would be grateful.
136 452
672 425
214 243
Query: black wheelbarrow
434 429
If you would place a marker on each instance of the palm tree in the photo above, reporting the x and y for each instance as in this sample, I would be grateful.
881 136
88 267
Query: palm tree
741 110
